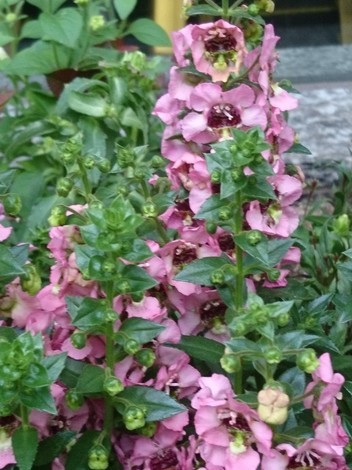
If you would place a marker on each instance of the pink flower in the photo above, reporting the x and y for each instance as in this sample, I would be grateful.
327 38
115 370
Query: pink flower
218 49
5 232
214 109
272 220
228 428
6 453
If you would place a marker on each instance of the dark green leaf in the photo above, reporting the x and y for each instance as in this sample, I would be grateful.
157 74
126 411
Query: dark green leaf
86 313
91 379
140 251
159 405
138 279
36 376
49 7
25 445
141 330
199 271
41 400
124 7
54 365
70 375
201 348
204 10
295 340
148 32
299 148
77 458
9 267
295 379
244 346
210 208
88 104
52 446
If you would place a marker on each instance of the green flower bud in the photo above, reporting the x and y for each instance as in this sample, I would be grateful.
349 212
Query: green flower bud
157 162
98 458
225 213
104 165
236 174
110 316
145 356
150 210
96 22
64 186
124 287
341 225
148 430
239 328
137 296
210 227
31 282
307 360
217 277
68 158
108 266
78 339
216 177
253 9
57 216
273 355
134 418
283 319
254 237
12 204
131 347
11 18
273 275
88 162
74 400
125 157
113 386
230 363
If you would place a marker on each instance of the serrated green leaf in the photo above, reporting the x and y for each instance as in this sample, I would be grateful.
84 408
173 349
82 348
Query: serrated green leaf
25 445
158 404
124 7
141 330
201 348
52 446
199 271
91 379
148 32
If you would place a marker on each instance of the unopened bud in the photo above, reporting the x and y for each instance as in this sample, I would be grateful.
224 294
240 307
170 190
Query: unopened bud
273 405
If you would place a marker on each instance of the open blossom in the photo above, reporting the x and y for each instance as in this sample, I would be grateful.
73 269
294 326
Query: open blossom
231 433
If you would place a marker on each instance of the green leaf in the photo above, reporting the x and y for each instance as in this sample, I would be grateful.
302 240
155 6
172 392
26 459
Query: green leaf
84 253
52 446
64 27
94 137
295 379
201 348
140 251
70 375
91 379
295 340
47 6
267 252
32 29
85 312
138 279
39 59
25 445
130 119
124 7
244 346
9 266
299 148
36 376
77 458
204 10
54 365
209 210
141 330
199 271
158 404
8 333
88 104
41 400
148 32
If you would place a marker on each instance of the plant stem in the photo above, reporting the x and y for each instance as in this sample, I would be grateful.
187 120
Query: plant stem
110 363
238 385
85 181
161 231
225 8
24 417
239 293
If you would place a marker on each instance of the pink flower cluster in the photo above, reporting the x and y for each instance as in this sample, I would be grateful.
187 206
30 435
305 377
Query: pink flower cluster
206 98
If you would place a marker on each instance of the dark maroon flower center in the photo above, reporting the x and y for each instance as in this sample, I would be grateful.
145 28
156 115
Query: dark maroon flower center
226 242
211 311
219 41
184 254
165 460
223 115
304 462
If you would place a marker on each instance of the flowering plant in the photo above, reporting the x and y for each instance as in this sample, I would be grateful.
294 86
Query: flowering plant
147 316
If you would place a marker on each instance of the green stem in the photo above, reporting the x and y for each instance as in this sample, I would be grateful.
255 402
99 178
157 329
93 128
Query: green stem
239 293
110 363
161 231
225 8
212 4
85 181
24 417
238 385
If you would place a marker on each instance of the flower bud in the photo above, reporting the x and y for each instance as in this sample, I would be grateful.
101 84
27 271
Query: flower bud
273 355
148 430
104 165
88 162
149 210
283 319
113 386
96 22
74 400
110 315
146 357
131 347
225 213
307 360
210 227
98 458
273 405
217 277
236 174
230 363
134 418
216 176
78 339
341 225
12 204
31 282
254 237
64 186
57 216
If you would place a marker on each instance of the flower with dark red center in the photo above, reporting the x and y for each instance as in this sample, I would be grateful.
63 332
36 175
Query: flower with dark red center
214 110
166 459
